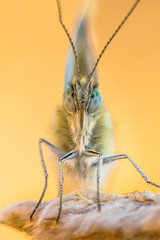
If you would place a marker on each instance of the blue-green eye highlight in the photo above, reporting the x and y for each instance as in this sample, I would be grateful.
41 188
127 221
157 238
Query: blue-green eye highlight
68 100
95 101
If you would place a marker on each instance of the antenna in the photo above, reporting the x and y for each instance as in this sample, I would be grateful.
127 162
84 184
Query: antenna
70 39
113 35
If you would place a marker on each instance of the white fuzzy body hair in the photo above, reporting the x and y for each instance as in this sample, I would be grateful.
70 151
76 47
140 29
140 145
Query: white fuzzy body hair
97 134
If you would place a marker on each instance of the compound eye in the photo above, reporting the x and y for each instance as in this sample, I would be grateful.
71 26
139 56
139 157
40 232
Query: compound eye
95 102
68 100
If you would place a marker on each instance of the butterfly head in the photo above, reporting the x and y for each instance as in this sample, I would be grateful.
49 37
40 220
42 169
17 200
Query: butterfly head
82 97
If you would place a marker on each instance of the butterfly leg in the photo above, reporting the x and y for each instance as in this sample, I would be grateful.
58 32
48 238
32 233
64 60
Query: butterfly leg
124 156
68 156
59 153
99 165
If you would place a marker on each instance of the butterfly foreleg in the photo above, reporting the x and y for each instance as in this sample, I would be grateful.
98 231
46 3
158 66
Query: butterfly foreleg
68 156
99 165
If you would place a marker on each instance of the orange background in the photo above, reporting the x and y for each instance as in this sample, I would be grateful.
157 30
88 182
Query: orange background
33 51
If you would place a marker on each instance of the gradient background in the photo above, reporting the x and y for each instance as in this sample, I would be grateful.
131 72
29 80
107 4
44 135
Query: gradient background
33 51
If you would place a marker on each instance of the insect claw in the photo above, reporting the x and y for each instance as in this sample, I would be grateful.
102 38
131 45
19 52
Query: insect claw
99 207
29 223
31 219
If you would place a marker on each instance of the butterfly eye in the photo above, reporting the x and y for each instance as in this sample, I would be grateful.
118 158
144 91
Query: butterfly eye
68 100
95 102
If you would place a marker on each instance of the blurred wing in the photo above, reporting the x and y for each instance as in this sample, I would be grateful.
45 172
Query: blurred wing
85 55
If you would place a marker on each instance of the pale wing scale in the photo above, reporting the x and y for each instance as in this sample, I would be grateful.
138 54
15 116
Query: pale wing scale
85 54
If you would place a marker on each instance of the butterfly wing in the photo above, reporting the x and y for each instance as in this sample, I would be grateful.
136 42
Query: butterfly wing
85 54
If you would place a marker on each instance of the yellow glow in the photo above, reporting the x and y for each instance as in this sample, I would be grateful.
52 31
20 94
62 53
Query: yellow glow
33 51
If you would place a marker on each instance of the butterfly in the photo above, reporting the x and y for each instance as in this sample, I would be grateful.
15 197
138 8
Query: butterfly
83 126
